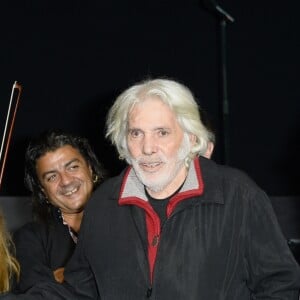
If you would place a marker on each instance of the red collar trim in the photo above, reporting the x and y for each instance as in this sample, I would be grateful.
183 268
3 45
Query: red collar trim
194 179
197 191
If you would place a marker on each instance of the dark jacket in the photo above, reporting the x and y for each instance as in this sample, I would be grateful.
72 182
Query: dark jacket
41 249
221 241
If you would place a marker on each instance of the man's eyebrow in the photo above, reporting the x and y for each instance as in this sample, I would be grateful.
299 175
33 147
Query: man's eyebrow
72 161
162 128
133 128
45 174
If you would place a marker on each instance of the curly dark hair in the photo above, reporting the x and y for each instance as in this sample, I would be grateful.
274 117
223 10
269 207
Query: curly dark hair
51 141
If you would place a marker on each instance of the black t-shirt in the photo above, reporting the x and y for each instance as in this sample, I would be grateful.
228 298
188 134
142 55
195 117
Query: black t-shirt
160 205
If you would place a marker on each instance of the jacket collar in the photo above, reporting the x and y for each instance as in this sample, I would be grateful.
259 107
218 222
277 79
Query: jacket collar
201 176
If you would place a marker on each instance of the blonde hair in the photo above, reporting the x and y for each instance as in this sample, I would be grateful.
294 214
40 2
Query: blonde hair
9 266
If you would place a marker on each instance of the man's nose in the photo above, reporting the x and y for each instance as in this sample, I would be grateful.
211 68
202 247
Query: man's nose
65 178
149 145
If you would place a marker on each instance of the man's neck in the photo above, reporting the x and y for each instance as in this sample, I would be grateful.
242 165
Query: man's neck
73 220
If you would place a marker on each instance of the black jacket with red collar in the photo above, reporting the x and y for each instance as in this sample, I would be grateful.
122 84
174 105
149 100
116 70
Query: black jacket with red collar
221 241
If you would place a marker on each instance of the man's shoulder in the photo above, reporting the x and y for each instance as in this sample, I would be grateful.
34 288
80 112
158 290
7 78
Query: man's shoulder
39 228
110 185
213 168
108 190
31 226
226 178
28 232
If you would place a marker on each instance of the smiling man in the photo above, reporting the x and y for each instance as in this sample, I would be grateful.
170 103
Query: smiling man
61 171
184 227
157 146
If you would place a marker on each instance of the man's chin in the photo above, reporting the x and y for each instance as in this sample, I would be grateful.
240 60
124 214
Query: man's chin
154 186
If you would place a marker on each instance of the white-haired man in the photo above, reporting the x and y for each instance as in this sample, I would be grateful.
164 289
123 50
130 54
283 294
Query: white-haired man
174 224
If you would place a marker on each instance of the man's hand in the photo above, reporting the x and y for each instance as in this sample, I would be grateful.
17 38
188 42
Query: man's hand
59 274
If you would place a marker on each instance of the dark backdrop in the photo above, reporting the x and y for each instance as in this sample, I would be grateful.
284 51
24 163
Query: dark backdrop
73 57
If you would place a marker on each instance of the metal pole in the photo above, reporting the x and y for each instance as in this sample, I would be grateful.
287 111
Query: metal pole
222 17
224 103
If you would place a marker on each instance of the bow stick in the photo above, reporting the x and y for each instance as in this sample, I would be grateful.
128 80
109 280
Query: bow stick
9 124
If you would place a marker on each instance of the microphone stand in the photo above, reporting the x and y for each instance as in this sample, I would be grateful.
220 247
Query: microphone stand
222 17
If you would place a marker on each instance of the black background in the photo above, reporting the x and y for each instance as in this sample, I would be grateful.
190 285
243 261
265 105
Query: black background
74 57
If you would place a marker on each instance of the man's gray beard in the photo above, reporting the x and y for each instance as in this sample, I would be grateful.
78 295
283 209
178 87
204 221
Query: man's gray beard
183 152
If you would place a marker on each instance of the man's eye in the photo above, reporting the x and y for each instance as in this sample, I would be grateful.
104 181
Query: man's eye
135 133
73 167
51 178
163 132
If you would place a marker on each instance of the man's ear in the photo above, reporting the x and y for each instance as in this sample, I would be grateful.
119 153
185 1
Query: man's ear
193 139
44 194
209 151
42 190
